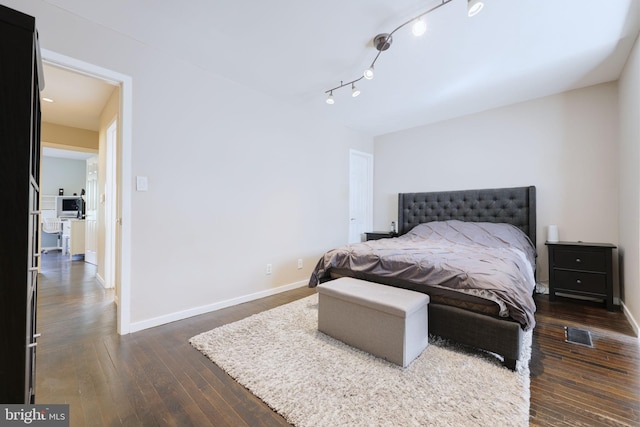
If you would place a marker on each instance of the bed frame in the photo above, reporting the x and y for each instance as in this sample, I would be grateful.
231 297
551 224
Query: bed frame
515 206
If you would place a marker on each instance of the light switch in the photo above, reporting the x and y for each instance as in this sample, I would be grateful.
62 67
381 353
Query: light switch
142 184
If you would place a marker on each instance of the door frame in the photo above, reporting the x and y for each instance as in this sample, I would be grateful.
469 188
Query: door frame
91 201
126 111
111 204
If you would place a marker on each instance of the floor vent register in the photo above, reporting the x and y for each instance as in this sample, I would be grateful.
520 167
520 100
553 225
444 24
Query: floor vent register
578 336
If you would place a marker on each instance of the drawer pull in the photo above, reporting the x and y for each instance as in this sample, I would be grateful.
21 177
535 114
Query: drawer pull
578 281
578 260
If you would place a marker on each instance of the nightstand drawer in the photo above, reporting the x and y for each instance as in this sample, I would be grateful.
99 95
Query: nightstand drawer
592 283
580 260
376 235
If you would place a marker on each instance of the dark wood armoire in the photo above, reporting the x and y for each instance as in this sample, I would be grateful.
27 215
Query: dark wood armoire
20 84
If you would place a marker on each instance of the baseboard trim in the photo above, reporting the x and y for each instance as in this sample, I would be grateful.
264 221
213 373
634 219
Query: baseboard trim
100 280
630 318
196 311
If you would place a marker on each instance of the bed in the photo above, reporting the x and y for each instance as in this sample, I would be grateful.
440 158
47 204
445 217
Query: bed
472 251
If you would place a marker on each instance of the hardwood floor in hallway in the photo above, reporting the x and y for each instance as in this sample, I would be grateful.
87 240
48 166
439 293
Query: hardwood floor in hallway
155 378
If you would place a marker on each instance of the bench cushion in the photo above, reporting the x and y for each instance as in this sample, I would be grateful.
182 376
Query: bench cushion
395 301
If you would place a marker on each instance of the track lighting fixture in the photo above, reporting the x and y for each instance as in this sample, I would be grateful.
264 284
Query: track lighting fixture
383 42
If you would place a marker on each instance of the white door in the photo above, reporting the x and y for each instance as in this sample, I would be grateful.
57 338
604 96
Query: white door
360 194
91 212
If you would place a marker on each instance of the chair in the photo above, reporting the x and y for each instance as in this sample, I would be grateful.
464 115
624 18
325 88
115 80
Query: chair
52 225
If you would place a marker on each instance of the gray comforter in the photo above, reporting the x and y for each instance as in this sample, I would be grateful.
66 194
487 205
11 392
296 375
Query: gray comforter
488 260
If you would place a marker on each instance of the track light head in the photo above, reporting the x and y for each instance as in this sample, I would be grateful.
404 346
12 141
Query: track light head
368 73
330 99
419 27
474 7
354 90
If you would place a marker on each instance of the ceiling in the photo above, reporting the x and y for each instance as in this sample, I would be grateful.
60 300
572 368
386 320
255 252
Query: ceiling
513 51
77 99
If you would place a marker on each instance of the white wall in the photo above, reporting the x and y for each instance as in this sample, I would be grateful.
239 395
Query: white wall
236 179
629 89
565 145
68 174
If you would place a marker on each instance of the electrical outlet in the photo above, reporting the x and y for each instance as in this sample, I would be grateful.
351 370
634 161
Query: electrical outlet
269 269
299 263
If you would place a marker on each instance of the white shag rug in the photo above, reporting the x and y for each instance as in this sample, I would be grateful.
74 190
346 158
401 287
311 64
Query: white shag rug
314 380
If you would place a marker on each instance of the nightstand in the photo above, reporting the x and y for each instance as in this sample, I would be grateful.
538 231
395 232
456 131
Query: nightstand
579 268
375 235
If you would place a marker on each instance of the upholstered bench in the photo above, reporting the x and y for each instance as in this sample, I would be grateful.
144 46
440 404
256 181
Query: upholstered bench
388 322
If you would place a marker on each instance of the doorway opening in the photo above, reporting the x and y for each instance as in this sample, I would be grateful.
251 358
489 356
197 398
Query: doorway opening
120 161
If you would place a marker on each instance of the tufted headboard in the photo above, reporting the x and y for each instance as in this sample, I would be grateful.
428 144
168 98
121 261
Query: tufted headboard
515 206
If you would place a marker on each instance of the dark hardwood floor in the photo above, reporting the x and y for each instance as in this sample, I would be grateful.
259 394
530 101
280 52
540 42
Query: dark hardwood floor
575 385
154 377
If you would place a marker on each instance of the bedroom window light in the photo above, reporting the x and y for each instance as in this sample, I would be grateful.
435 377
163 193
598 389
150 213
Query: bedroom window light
383 41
